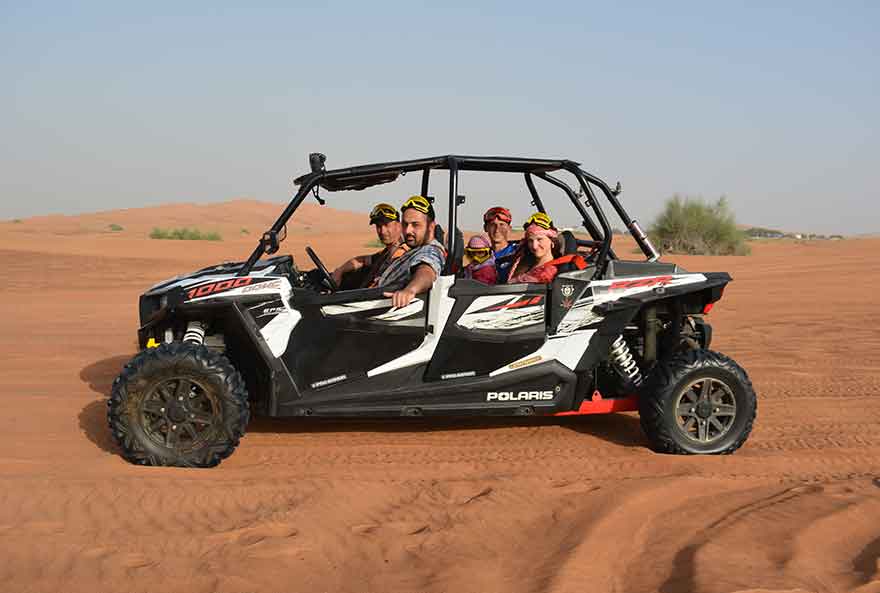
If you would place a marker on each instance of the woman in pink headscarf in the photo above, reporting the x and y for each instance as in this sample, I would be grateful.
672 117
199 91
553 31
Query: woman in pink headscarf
540 246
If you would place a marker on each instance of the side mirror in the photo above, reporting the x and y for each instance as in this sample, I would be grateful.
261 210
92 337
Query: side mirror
272 239
269 242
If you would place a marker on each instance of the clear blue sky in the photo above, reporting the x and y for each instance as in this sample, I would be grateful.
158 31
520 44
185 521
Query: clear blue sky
121 104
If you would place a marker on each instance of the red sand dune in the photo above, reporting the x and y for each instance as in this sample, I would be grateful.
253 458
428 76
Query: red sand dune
577 504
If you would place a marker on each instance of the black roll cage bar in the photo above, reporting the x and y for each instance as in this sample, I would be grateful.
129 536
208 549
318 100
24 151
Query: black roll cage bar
364 176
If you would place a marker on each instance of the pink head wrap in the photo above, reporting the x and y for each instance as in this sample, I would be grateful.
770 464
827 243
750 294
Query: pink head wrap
479 242
534 230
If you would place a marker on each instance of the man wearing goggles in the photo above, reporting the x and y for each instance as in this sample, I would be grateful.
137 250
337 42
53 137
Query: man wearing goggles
496 223
415 271
363 270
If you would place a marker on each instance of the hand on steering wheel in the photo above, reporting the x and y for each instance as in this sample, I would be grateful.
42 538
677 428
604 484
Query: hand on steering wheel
325 275
593 246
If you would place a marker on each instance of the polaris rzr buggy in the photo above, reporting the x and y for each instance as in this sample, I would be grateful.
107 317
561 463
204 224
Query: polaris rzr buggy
260 336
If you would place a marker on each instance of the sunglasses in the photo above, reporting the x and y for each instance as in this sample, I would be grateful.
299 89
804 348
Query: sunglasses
478 254
502 214
540 219
383 211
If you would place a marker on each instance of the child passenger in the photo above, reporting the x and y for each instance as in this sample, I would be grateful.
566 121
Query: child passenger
479 261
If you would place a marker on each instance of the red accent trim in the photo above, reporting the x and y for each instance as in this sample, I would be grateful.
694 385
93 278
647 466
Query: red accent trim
517 304
573 258
216 287
708 308
597 405
640 283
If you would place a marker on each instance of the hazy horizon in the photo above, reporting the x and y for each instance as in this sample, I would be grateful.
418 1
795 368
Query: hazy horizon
776 107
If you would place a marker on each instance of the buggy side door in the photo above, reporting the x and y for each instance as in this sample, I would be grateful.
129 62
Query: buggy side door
344 335
489 327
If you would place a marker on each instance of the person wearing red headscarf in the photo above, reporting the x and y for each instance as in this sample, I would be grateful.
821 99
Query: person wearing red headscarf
540 246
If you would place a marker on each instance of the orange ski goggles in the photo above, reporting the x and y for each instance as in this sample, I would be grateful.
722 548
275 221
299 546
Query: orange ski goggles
502 214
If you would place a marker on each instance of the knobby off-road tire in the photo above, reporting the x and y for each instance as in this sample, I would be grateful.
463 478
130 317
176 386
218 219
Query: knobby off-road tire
697 402
179 404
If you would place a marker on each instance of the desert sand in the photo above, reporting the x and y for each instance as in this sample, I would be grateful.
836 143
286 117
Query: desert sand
575 504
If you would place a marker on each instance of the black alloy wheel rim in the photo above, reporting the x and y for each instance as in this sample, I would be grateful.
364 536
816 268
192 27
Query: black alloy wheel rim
179 413
705 410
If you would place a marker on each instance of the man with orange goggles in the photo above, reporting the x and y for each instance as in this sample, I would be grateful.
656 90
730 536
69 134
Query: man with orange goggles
363 270
496 223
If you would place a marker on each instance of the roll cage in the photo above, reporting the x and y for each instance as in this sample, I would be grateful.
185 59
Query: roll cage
364 176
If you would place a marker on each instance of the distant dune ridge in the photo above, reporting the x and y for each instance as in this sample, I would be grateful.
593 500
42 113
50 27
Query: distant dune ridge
228 218
512 506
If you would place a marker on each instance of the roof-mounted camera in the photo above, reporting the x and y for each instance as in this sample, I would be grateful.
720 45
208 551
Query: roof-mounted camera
316 162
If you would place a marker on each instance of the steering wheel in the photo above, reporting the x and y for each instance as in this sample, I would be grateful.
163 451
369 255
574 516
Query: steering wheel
325 275
593 247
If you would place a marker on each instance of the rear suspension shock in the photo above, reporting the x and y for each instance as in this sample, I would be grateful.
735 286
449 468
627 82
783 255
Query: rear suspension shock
624 362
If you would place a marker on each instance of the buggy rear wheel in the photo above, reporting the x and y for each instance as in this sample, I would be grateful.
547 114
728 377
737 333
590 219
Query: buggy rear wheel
698 401
179 404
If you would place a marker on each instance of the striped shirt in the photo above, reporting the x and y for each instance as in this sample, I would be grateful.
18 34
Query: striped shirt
399 272
380 261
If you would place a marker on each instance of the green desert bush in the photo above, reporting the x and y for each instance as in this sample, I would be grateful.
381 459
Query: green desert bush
692 226
375 243
184 234
115 227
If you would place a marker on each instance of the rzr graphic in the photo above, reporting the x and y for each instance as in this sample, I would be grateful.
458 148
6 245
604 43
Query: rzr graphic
640 283
262 337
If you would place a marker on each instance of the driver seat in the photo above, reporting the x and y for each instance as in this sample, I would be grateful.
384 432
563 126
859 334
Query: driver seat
453 259
568 242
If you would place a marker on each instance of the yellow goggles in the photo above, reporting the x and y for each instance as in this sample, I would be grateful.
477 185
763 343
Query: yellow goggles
419 203
540 219
386 211
478 254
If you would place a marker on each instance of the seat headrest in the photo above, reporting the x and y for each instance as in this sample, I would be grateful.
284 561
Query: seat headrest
569 244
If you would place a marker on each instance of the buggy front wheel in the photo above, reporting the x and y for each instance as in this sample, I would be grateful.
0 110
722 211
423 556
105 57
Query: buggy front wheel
179 404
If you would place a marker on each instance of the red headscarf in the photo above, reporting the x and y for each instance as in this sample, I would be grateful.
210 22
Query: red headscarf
534 230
